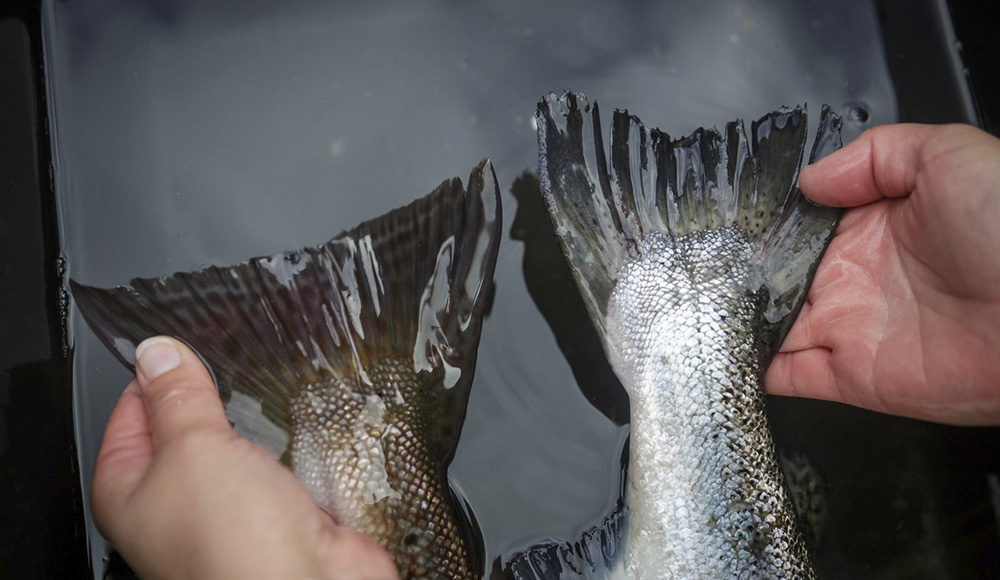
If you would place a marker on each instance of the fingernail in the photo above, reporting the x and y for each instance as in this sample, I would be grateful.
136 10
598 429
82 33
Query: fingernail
805 172
156 356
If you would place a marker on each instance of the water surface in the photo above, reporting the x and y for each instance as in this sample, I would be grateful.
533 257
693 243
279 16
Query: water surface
189 133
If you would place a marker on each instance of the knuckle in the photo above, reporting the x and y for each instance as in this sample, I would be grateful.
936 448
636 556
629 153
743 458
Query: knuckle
168 388
177 394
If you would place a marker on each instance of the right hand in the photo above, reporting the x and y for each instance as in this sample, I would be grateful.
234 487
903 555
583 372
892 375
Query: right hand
903 316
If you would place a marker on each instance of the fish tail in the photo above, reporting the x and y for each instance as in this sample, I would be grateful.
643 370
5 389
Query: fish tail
604 203
593 556
411 284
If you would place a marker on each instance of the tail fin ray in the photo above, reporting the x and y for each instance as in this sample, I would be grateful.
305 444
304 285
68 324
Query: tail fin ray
411 284
602 207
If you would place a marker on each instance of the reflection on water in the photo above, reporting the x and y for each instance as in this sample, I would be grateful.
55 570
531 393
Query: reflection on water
189 133
554 292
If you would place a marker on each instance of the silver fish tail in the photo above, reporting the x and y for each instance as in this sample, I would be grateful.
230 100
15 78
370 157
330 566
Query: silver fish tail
693 256
351 361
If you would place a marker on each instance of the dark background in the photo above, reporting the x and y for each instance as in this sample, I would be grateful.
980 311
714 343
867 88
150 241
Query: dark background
933 65
42 532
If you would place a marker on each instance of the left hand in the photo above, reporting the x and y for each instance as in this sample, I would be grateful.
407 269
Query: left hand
182 496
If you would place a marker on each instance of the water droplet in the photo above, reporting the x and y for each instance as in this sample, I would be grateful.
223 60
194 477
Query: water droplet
61 266
857 112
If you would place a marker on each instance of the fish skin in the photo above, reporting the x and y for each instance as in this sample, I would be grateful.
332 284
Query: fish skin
706 495
362 453
693 256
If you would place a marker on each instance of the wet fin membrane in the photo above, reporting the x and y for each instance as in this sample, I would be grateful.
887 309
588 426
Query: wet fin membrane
592 556
604 200
409 285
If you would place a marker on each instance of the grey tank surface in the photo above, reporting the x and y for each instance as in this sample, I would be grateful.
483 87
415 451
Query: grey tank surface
693 256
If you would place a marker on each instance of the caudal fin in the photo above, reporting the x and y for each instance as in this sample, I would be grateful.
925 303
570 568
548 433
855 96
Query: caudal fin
596 555
409 285
603 205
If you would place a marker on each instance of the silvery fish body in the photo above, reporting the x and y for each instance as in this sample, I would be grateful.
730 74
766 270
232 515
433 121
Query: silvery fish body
693 256
351 362
706 496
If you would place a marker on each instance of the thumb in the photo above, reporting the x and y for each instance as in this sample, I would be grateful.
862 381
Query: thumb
177 390
882 162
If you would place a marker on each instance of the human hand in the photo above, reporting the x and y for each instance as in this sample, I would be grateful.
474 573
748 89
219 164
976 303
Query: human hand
903 316
182 496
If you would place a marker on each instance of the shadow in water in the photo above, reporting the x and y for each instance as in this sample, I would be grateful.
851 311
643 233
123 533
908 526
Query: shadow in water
554 292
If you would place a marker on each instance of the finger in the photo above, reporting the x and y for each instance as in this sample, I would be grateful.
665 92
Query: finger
178 391
804 373
125 454
349 554
881 162
800 336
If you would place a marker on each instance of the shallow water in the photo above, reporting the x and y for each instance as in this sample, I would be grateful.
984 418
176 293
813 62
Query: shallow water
189 133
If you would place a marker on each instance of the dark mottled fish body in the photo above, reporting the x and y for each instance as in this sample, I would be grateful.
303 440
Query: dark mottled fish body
693 256
363 455
350 361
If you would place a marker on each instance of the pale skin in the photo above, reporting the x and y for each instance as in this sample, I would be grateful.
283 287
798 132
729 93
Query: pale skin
903 317
904 314
180 495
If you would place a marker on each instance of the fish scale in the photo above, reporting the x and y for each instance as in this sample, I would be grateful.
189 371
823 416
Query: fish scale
693 257
700 443
361 453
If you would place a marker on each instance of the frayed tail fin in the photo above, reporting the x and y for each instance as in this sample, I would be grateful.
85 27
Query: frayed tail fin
411 285
596 555
603 202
